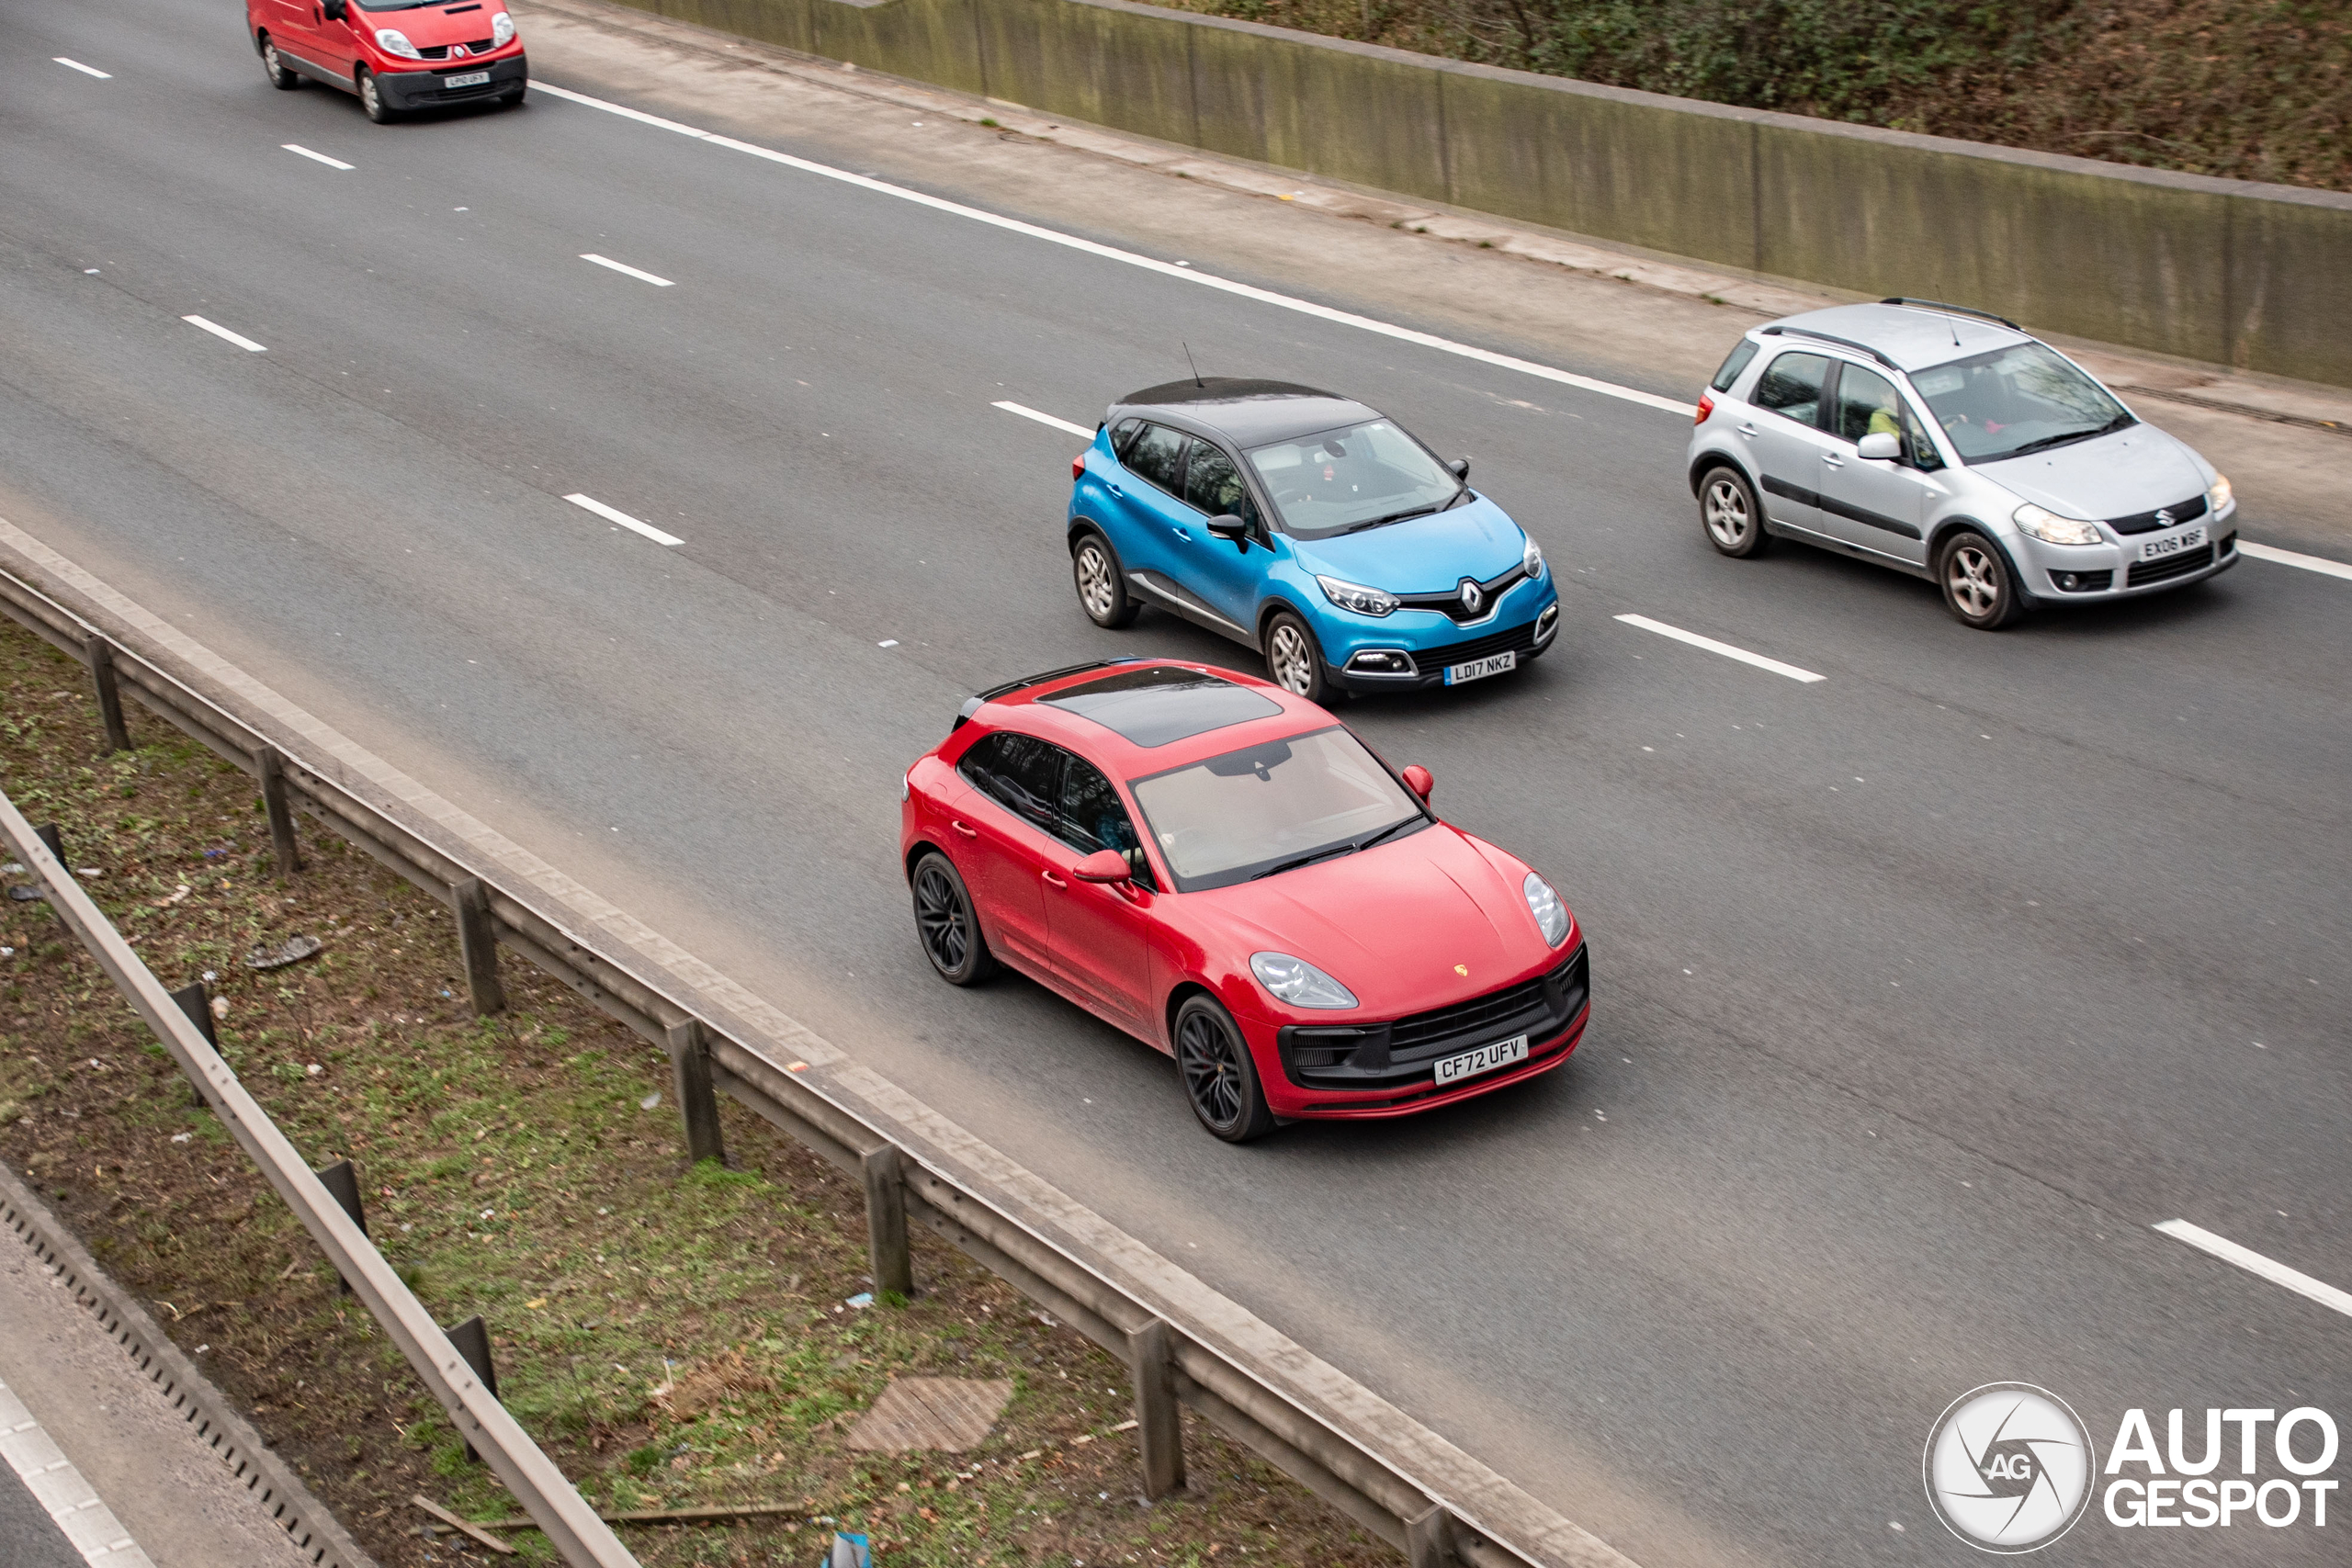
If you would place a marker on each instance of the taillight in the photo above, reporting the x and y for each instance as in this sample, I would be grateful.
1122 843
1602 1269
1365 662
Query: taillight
1077 467
1706 407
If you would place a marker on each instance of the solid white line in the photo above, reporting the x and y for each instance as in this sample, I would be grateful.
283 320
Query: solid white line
2288 558
612 515
1166 269
315 157
1727 649
2254 1263
216 330
88 1525
624 267
84 70
1045 419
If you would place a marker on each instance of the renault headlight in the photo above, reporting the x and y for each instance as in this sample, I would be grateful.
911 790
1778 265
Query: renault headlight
2051 529
2219 499
1532 561
502 30
1357 597
1299 983
392 40
1551 915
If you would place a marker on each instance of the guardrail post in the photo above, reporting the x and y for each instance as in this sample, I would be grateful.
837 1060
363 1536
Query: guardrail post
471 1340
272 769
342 1181
478 945
197 1003
689 1047
886 1221
55 841
1158 1423
98 654
1429 1540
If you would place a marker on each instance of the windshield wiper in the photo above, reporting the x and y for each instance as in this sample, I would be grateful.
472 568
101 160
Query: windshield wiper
1392 828
1339 849
2121 421
1392 517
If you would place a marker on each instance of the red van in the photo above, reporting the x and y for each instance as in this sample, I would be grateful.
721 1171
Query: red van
397 55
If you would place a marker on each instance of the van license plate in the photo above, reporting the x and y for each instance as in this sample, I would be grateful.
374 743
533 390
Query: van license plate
470 79
1479 669
1485 1059
2156 549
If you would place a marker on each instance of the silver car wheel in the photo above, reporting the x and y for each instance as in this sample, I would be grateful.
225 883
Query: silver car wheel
1291 660
1726 511
1095 587
1973 582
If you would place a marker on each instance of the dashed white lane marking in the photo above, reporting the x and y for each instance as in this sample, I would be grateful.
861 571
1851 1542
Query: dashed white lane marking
2288 558
315 157
623 266
84 70
612 514
216 330
1045 419
1727 649
2252 1262
1150 264
88 1525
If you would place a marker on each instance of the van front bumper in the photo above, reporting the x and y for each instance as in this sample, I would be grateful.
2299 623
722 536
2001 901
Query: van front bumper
428 89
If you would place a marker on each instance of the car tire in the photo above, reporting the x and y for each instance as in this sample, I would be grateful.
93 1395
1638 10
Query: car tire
947 925
1294 661
1220 1079
1978 585
1730 515
372 98
1102 582
280 77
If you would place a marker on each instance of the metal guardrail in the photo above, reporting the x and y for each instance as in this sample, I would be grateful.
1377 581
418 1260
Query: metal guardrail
1184 1345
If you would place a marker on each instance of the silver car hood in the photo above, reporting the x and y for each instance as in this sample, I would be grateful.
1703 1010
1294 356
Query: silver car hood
2130 471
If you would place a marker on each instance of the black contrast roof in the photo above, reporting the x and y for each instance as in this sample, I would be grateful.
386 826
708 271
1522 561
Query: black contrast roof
1163 703
1248 411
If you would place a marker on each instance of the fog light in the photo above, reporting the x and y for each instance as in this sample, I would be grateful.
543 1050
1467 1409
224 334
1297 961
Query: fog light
1381 662
2068 580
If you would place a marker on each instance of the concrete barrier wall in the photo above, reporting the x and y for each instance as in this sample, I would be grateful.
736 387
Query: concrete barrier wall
2227 271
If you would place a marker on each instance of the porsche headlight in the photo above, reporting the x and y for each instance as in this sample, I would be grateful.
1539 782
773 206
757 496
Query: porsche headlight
1357 597
502 30
1551 915
392 40
2051 529
2219 498
1532 561
1299 983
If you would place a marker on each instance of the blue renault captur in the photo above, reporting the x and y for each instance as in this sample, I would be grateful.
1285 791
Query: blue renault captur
1308 525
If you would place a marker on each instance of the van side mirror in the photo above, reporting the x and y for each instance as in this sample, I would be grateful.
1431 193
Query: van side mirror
1228 526
1104 865
1460 468
1881 447
331 9
1418 780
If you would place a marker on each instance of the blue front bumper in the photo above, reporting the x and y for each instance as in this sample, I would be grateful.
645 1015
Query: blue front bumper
1414 648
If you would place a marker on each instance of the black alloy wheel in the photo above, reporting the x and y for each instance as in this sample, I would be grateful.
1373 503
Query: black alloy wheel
1978 586
281 76
1219 1078
1735 522
1102 582
944 920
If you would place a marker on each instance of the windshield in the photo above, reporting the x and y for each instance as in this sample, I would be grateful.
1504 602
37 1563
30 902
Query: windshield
1357 478
1271 807
2015 401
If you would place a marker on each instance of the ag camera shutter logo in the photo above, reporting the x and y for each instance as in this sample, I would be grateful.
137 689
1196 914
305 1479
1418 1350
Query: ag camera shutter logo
2008 1467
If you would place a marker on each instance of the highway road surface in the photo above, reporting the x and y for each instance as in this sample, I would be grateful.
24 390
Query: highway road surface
1924 990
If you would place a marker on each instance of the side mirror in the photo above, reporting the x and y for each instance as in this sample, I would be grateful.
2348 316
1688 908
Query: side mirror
1228 526
1418 780
333 10
1104 865
1882 446
1460 467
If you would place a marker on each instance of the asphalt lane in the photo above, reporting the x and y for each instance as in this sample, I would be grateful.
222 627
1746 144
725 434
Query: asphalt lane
1922 991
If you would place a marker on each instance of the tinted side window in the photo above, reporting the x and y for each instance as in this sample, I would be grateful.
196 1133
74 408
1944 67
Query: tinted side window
1792 387
1157 454
1020 773
1867 405
1093 817
1123 432
1742 352
1214 485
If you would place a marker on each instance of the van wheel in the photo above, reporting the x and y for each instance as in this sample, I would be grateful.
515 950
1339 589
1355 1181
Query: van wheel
1727 506
1101 584
280 77
1976 581
372 100
1294 660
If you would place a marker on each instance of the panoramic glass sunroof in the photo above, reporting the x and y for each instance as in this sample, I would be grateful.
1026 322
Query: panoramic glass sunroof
1161 702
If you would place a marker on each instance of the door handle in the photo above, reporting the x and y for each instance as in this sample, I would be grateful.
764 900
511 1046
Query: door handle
1052 879
1834 460
1181 533
967 833
1115 490
1748 430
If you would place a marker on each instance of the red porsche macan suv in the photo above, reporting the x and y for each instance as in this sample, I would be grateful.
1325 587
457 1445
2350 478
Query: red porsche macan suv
1225 870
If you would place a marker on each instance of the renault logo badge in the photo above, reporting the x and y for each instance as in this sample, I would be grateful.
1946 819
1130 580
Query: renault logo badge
459 52
1473 598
